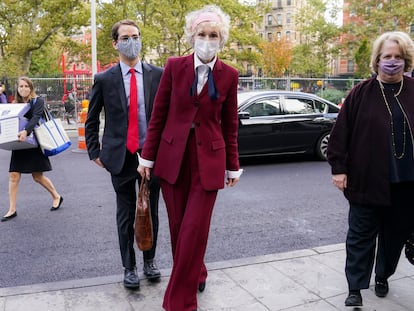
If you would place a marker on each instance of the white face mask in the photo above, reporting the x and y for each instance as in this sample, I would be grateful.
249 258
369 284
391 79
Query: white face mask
206 49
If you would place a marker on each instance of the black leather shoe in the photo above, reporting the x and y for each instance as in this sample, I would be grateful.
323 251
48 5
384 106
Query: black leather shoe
151 270
57 207
131 279
6 218
201 287
354 299
381 288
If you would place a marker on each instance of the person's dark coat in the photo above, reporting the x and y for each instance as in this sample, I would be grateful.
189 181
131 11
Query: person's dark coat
359 144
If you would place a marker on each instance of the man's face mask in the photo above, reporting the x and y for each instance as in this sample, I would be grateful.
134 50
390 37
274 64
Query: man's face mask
130 47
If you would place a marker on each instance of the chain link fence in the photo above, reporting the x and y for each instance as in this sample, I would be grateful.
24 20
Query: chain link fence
53 89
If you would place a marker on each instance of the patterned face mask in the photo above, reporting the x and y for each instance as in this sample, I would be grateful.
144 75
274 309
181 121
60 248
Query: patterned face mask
130 48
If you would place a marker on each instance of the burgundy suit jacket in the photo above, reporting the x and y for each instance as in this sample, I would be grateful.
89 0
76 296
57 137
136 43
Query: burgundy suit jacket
215 123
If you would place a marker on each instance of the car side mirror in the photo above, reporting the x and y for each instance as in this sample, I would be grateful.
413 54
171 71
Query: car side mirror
244 115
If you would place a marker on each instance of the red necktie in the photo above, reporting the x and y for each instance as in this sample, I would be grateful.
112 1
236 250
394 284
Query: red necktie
133 138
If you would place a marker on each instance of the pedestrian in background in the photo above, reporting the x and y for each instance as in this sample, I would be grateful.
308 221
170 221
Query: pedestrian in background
370 151
126 92
191 142
3 94
29 161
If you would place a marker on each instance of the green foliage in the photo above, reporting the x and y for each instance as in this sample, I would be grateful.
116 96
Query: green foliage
162 22
333 95
311 58
372 19
305 64
26 26
362 59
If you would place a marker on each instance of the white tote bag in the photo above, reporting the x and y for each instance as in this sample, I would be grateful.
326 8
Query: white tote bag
51 135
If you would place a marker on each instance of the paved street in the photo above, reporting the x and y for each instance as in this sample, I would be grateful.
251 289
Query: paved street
278 206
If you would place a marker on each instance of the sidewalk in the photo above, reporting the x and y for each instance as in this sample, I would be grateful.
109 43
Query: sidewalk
311 279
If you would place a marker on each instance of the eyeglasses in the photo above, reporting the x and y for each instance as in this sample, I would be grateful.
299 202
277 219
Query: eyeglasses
126 38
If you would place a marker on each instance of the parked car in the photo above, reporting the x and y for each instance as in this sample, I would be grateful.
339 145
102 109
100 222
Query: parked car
284 122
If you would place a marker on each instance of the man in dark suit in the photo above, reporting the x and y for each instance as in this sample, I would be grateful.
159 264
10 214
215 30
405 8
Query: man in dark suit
118 153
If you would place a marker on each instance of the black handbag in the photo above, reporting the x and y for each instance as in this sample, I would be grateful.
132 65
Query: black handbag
409 248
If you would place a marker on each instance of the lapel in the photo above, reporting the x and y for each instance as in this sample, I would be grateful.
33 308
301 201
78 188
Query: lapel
189 71
118 84
147 79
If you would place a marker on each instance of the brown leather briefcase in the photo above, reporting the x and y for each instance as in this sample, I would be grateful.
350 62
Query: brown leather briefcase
143 223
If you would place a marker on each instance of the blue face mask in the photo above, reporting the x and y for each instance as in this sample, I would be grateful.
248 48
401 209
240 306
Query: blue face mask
391 66
129 48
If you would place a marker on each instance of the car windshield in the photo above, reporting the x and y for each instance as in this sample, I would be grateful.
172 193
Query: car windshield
243 96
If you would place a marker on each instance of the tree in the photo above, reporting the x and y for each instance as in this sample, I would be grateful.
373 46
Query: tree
319 38
27 26
162 22
370 18
362 60
277 55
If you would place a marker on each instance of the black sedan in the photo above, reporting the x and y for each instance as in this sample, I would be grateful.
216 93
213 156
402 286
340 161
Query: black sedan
283 122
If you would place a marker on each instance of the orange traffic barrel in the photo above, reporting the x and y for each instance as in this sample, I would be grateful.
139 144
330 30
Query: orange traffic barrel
81 130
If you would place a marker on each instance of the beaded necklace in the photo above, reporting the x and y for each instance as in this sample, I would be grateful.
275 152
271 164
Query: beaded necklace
392 122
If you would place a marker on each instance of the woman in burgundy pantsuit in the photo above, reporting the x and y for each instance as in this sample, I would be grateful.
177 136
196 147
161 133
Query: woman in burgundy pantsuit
192 146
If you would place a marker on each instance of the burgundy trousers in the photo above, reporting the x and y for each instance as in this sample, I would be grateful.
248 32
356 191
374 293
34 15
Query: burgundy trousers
189 209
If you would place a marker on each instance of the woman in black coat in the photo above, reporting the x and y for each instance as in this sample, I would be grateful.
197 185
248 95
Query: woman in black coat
29 160
371 152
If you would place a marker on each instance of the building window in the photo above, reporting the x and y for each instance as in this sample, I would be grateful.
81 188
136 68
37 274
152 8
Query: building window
288 2
269 36
288 35
288 18
278 35
269 19
279 19
350 66
279 4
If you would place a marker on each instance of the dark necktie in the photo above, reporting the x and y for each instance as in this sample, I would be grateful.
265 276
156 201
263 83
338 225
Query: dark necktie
133 139
212 91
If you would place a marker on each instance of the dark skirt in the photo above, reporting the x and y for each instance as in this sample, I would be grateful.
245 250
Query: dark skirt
29 161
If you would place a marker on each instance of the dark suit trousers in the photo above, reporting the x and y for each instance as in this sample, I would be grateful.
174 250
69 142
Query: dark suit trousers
390 224
126 189
189 209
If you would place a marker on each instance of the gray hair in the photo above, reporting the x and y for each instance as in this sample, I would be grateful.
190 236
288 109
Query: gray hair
221 20
406 47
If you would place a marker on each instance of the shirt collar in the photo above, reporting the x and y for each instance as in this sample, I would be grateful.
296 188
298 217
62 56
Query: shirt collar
198 62
125 68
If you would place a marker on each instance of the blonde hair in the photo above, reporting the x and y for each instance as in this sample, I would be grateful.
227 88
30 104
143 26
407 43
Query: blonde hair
404 42
220 19
18 98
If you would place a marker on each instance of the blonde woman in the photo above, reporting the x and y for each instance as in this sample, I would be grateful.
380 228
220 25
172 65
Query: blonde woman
29 161
370 151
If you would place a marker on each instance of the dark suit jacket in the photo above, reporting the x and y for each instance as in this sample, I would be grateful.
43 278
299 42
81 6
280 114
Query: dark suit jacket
108 92
215 122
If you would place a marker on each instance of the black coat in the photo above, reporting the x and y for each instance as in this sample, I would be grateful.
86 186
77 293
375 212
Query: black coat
108 93
359 145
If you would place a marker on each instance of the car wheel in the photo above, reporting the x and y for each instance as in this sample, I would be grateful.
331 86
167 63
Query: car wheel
322 147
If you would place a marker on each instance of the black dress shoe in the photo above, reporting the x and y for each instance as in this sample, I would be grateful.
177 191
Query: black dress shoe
57 207
381 288
201 286
354 299
151 270
131 279
6 218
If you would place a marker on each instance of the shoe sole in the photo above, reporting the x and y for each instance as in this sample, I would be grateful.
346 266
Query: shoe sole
131 286
152 278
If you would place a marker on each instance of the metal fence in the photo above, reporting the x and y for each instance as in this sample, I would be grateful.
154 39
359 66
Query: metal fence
53 89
